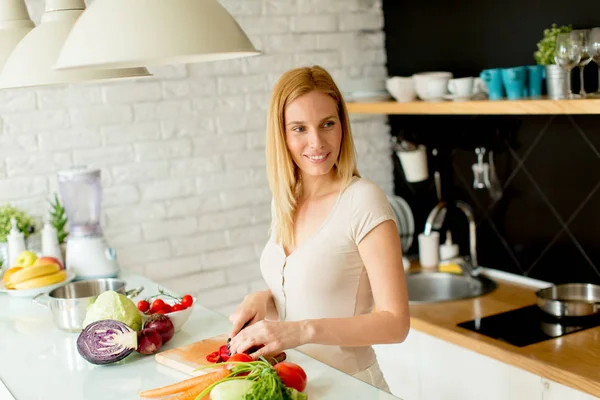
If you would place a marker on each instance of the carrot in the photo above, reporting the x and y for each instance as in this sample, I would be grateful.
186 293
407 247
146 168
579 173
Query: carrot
197 383
191 394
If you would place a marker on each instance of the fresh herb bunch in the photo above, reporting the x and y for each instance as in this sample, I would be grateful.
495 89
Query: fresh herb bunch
545 52
25 222
268 385
58 219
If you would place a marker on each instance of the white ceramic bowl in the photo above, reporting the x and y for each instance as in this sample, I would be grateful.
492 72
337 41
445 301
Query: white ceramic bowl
422 81
178 318
401 88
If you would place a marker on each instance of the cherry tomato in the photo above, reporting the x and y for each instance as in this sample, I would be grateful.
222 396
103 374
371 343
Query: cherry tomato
143 305
187 301
241 357
167 308
213 357
178 307
161 311
292 375
158 304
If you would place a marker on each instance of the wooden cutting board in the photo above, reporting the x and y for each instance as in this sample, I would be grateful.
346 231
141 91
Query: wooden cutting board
191 356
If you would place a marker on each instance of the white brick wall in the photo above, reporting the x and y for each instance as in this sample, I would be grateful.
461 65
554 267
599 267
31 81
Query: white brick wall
186 199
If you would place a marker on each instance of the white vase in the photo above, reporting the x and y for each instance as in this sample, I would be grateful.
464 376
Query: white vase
4 255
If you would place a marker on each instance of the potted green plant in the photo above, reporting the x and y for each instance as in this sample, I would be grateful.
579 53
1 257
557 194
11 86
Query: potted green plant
25 223
558 81
58 219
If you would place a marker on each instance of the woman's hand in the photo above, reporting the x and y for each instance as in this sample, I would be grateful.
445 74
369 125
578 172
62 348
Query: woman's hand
252 310
274 335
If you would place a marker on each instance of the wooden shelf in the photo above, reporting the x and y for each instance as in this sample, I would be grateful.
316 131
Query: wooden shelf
480 107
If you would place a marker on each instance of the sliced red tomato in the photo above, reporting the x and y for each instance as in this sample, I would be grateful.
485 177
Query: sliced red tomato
213 357
292 375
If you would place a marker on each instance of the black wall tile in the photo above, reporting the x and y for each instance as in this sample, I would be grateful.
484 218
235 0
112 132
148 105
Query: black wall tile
527 231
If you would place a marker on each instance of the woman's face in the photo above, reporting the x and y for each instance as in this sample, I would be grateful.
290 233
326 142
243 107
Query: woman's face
313 132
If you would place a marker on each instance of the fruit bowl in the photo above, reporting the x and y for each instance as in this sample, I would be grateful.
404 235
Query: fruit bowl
178 318
34 292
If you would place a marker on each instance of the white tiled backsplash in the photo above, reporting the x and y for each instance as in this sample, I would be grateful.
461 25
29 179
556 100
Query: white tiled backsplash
186 199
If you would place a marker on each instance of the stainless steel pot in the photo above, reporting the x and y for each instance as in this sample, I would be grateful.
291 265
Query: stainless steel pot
570 300
69 303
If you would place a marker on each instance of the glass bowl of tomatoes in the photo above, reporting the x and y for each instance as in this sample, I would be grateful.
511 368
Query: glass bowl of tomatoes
178 309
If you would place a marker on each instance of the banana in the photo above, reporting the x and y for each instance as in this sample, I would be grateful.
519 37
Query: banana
32 272
44 280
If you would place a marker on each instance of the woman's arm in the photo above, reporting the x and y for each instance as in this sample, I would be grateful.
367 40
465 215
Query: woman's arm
381 253
272 313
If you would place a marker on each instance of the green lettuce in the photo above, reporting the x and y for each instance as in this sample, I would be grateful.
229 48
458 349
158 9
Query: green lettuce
115 306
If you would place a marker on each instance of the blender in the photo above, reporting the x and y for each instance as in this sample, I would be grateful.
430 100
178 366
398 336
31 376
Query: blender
88 254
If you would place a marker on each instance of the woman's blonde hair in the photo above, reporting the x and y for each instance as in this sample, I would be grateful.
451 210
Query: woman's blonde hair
284 178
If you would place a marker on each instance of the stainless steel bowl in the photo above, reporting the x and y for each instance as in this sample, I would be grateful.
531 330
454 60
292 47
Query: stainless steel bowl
570 300
69 303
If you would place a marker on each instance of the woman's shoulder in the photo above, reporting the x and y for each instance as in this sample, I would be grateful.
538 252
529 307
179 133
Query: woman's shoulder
365 188
364 195
368 206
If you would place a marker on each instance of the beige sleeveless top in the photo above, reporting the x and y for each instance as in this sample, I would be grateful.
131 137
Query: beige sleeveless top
325 276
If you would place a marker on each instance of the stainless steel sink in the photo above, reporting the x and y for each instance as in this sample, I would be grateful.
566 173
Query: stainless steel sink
432 287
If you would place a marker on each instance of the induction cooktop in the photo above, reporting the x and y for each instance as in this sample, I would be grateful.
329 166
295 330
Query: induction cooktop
528 325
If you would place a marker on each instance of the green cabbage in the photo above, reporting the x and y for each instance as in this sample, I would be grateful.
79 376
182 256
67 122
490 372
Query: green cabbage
115 306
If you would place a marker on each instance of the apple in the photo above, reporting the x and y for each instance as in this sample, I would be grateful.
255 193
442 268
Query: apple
49 260
26 258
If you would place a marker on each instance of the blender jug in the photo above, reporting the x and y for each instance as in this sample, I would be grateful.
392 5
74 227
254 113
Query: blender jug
88 254
81 192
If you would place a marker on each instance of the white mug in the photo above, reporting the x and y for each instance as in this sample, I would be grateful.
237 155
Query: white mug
437 88
414 164
461 87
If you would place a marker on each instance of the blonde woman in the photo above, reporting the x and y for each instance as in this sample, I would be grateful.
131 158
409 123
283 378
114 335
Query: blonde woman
334 251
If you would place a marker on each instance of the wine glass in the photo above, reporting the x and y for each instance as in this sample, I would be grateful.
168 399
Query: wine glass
567 54
595 50
582 36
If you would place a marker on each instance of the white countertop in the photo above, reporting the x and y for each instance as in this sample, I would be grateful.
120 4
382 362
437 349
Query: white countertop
40 362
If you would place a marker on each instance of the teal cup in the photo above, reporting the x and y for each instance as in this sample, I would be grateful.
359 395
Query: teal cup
515 82
535 78
493 81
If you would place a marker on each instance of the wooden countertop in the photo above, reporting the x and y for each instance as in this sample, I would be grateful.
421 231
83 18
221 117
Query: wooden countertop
572 360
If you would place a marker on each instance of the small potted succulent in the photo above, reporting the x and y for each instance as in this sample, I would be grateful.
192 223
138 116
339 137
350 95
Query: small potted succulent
557 80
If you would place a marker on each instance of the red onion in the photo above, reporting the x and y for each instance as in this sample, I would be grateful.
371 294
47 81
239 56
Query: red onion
149 341
162 324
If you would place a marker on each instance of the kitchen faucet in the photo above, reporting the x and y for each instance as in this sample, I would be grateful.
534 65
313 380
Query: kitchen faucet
435 219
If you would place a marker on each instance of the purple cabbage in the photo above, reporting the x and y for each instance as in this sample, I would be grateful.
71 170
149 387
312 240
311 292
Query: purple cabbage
106 342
